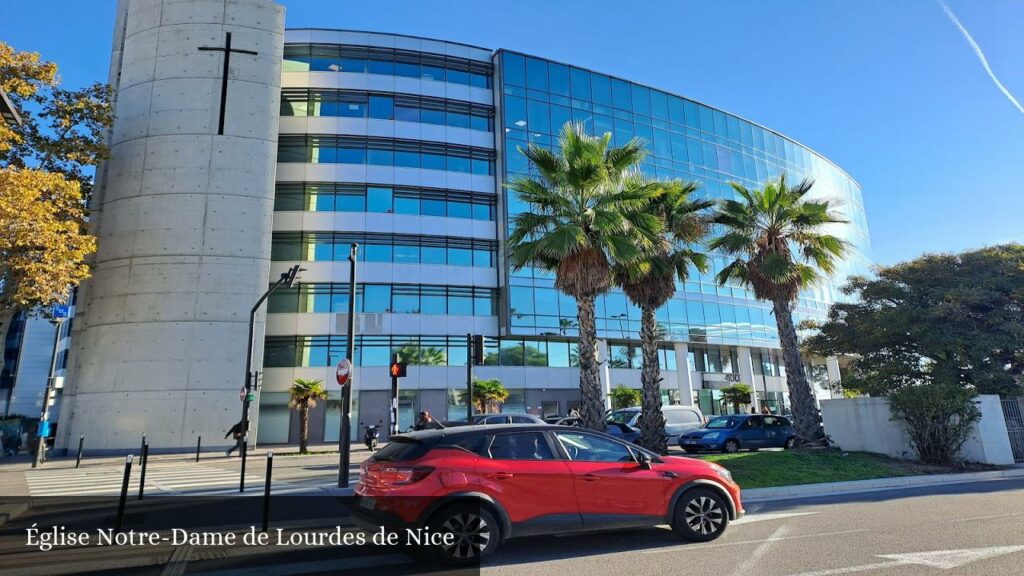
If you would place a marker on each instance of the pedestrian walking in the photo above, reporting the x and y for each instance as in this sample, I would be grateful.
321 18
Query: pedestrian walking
238 434
426 422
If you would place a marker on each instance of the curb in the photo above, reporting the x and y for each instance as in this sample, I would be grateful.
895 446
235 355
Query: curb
861 486
10 512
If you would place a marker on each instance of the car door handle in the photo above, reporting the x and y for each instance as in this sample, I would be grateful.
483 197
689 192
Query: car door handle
589 477
500 475
667 474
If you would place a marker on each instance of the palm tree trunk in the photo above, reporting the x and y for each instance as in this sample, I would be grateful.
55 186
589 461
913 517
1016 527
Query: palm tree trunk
304 429
652 420
807 419
592 404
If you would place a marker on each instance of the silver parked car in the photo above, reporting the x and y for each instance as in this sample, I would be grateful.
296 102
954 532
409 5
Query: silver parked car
678 419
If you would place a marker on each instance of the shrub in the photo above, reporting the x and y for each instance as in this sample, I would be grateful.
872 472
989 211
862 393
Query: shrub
939 418
623 397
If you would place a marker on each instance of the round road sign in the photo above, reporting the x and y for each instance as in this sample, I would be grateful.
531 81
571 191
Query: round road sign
344 371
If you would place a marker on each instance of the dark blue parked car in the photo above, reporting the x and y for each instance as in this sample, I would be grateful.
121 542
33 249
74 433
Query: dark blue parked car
730 433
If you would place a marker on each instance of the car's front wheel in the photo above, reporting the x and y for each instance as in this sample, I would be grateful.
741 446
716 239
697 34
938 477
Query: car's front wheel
700 515
474 532
790 443
731 446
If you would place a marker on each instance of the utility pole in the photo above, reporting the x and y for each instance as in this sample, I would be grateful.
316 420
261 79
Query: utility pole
287 279
344 437
60 313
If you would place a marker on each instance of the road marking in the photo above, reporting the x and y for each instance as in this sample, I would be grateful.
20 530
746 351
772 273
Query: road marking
992 517
743 542
942 559
750 562
751 518
178 561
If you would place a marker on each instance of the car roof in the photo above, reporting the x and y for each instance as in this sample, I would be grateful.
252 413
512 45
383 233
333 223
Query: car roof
459 433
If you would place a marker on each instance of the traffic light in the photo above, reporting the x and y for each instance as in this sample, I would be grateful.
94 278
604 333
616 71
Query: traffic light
397 369
289 276
478 350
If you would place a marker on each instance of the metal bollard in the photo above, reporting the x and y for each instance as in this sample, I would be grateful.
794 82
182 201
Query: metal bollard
142 473
266 491
143 444
124 493
241 477
199 443
78 460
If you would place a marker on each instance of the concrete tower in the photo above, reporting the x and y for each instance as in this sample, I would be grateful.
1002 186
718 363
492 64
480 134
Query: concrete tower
183 213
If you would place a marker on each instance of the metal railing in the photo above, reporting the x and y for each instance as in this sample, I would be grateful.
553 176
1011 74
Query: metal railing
1013 413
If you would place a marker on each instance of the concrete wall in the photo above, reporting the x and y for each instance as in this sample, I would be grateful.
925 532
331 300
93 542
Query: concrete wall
865 425
183 217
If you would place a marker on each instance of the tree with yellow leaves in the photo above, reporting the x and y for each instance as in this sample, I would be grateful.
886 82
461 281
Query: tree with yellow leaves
45 180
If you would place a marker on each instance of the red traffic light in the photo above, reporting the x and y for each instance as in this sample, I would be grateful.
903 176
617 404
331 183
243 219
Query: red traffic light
397 369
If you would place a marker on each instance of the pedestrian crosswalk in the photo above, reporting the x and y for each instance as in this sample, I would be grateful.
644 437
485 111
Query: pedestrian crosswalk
160 479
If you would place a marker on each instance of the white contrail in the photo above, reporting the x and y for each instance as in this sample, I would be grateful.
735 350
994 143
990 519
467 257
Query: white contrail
981 56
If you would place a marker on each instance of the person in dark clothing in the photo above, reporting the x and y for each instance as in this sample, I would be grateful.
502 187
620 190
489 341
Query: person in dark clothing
238 434
426 422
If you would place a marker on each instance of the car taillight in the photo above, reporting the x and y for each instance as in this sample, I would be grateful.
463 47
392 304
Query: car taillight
401 475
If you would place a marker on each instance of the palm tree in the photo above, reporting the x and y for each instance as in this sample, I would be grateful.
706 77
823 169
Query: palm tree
775 238
736 395
304 394
651 281
583 218
488 394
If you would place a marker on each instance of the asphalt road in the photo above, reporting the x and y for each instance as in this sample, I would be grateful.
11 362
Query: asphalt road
975 529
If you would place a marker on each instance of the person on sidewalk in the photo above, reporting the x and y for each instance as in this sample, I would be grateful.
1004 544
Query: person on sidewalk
238 434
426 422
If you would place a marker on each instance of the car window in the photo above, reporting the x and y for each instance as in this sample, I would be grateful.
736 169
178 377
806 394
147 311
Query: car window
681 417
521 446
400 448
723 422
523 420
590 448
477 445
753 422
775 422
496 420
622 416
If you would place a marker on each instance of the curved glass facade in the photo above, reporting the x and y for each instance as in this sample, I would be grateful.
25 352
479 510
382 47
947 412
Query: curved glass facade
686 140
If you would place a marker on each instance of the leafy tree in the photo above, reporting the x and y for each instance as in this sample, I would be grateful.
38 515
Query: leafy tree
736 395
424 356
587 211
304 394
516 356
650 282
488 395
44 183
940 416
956 319
775 239
623 397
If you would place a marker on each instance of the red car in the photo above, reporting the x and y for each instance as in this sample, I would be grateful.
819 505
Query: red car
485 484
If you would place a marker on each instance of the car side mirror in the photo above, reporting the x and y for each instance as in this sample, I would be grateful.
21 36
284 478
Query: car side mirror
645 461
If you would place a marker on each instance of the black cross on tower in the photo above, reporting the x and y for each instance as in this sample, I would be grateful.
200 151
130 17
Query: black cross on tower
227 50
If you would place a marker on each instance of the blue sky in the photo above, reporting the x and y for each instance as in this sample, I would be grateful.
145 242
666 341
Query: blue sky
888 89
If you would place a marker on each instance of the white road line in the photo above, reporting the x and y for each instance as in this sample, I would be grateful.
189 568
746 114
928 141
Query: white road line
992 517
744 542
751 518
750 563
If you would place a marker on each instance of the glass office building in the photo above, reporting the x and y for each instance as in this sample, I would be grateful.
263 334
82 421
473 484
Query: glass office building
402 144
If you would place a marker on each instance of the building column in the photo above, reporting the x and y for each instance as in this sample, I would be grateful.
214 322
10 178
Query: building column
834 377
746 366
605 374
684 379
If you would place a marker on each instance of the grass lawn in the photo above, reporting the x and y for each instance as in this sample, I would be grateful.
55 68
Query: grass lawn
765 469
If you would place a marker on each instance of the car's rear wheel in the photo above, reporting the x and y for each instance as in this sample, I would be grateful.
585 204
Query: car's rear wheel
701 515
731 446
475 533
790 443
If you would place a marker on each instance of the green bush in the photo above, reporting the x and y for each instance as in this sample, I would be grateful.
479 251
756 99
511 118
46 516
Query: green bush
623 397
939 418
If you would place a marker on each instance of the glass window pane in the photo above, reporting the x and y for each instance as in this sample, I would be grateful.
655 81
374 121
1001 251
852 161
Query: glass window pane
432 207
435 73
405 205
602 89
641 100
460 257
407 254
558 78
378 199
407 114
580 80
458 209
537 74
376 298
432 255
460 304
514 69
378 253
537 114
382 107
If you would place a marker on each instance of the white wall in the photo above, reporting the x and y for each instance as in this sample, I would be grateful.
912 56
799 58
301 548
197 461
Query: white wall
865 425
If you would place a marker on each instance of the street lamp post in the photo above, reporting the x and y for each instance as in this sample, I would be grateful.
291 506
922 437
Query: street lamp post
44 416
287 279
344 440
